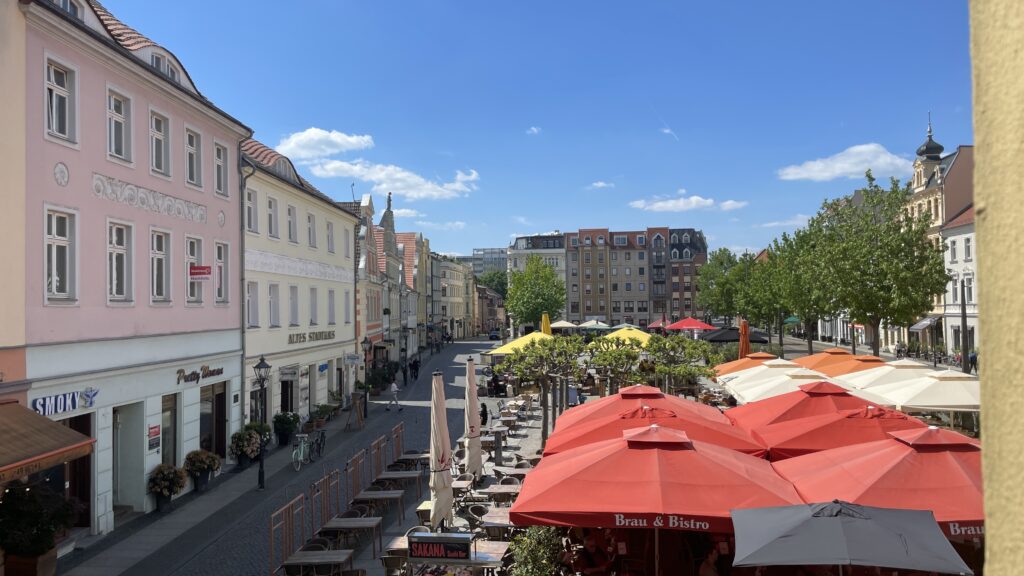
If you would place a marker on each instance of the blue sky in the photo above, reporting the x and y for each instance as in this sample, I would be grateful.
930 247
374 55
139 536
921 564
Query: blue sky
488 119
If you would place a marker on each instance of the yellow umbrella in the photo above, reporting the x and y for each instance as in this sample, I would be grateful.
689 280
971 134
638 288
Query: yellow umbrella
518 343
628 332
545 324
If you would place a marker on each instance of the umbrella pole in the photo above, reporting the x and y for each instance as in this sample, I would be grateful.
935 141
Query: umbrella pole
657 553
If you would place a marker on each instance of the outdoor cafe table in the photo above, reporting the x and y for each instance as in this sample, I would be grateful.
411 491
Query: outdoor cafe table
404 475
418 459
509 420
497 517
309 558
519 473
497 430
486 553
372 523
384 496
499 492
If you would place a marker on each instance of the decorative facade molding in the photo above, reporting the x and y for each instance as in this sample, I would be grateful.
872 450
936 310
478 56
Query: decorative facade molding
270 263
144 199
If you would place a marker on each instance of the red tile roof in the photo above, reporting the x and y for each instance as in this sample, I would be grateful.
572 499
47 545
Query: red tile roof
965 217
260 152
382 261
128 37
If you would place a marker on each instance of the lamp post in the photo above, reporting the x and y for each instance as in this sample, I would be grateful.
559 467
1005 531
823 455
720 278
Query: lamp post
366 344
262 371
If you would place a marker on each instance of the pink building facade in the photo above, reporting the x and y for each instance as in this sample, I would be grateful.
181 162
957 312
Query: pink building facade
132 307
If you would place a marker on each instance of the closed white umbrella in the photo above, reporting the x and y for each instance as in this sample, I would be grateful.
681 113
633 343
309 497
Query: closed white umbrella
474 460
441 497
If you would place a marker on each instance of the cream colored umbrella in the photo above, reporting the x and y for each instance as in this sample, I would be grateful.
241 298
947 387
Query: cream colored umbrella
941 390
474 459
782 384
441 496
767 369
889 373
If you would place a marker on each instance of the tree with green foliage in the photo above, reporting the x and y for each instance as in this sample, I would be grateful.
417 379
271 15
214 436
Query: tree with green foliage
883 266
715 287
496 280
805 276
544 362
532 292
681 361
760 298
617 358
536 551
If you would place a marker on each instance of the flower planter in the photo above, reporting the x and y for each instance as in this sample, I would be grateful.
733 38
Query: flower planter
284 439
319 423
201 480
244 461
43 565
163 503
307 427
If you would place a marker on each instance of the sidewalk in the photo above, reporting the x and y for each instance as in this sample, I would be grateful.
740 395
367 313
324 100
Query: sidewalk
231 497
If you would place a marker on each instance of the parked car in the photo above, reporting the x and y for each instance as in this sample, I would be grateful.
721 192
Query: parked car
494 335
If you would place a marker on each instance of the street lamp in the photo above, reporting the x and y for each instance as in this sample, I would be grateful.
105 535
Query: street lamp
262 371
366 344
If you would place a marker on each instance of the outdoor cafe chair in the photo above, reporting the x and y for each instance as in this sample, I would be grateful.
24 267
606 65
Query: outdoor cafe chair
393 565
495 532
314 546
510 480
523 464
417 529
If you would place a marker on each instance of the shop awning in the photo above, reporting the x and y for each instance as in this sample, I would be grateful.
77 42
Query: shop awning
926 323
30 443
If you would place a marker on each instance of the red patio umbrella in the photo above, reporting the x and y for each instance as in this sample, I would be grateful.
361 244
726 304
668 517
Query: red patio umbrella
658 324
610 426
632 398
919 469
812 399
650 477
689 323
816 433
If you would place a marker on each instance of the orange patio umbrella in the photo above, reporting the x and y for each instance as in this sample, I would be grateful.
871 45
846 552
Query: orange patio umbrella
824 358
812 399
850 365
744 362
633 397
816 433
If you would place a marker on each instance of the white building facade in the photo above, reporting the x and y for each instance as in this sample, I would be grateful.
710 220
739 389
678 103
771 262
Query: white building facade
961 249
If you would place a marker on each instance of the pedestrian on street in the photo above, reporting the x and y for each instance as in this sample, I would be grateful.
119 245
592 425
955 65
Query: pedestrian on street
483 414
394 396
973 359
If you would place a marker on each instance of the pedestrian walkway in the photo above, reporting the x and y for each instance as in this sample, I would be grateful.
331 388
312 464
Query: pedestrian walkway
231 517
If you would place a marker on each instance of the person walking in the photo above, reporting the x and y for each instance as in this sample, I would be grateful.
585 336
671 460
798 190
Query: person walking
483 414
394 395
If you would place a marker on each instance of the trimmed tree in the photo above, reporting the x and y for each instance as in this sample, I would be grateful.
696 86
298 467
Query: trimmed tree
535 290
681 360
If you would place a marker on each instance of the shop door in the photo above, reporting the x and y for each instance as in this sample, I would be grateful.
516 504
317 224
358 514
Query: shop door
221 411
212 416
286 396
78 473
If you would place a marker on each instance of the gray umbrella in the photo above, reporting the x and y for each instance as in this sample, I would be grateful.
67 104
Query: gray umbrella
732 334
840 533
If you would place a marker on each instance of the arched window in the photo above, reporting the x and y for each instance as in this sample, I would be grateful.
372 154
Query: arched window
659 241
686 254
675 240
675 254
686 238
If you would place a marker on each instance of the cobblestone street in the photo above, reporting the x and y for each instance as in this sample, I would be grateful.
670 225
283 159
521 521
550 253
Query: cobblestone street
235 539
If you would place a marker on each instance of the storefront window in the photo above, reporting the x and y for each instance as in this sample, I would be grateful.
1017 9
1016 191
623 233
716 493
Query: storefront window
212 418
168 430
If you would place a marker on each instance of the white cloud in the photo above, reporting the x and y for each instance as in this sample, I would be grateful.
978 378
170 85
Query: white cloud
600 184
679 203
456 225
670 132
407 213
733 205
850 163
319 143
798 220
390 178
533 130
522 220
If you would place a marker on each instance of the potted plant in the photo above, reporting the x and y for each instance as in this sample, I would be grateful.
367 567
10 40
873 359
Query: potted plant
31 517
164 482
323 412
201 464
245 445
262 430
285 424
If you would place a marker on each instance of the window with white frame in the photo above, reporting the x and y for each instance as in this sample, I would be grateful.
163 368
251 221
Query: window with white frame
71 7
252 220
220 169
60 101
346 241
311 228
348 307
641 240
252 304
293 224
967 248
275 305
952 250
193 257
293 305
193 158
312 306
330 308
119 133
330 237
159 144
969 289
159 266
272 224
221 272
60 255
119 261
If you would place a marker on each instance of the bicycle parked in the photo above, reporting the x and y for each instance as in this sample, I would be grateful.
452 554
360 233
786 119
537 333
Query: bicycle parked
308 450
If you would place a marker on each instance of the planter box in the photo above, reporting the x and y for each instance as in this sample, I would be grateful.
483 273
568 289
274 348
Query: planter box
45 565
202 480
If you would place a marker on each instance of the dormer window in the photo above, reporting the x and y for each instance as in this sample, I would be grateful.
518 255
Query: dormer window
675 239
158 62
686 238
71 7
641 240
162 65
